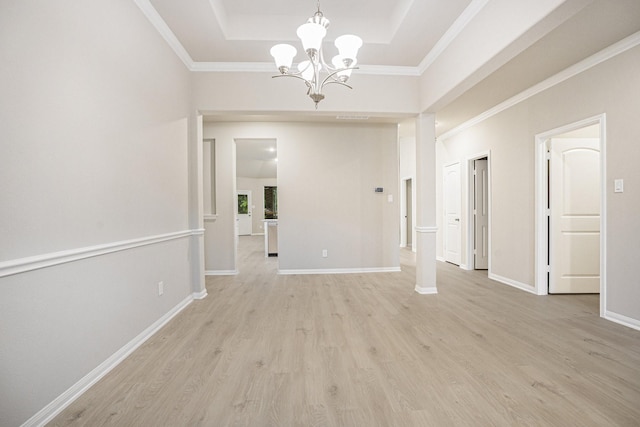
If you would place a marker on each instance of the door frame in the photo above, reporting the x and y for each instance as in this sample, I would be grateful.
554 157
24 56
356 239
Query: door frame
470 265
403 211
541 197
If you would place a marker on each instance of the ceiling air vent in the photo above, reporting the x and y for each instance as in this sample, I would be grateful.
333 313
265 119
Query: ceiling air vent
352 117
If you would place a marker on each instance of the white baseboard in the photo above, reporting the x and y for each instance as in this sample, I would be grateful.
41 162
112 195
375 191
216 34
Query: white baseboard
257 234
47 413
426 291
200 295
440 258
221 272
514 283
341 270
622 320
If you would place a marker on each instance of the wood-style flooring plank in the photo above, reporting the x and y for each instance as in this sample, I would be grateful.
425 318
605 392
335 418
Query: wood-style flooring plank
366 350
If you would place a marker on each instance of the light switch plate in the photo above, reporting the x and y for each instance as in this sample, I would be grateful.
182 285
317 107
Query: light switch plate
618 186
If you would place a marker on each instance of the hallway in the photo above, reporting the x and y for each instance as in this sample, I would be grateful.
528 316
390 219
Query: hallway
365 349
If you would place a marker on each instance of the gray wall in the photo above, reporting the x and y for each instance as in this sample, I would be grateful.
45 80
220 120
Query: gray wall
326 177
93 152
612 88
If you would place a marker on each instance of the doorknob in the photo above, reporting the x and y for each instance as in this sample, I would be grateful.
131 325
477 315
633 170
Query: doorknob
458 219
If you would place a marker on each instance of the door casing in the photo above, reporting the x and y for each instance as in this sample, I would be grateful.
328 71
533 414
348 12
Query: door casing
541 196
407 211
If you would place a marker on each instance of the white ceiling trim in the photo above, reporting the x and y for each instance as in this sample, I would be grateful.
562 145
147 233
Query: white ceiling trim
269 67
580 67
156 20
456 28
381 70
220 14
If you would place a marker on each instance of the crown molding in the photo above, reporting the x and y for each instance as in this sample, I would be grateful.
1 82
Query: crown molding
454 31
156 20
233 67
268 67
579 67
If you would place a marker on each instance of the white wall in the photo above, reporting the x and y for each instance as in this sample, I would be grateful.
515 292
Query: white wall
93 152
251 92
326 177
609 88
256 186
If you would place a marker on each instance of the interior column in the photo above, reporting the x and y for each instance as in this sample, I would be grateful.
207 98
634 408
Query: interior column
426 204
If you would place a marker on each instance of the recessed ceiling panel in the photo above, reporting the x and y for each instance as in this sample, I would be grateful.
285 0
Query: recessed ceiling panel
395 33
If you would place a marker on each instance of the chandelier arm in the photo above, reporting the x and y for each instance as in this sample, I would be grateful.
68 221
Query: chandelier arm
297 76
337 82
333 79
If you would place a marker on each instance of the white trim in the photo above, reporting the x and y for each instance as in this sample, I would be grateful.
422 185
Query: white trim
257 234
341 270
582 66
156 20
269 67
22 265
511 282
465 267
622 320
200 295
234 67
210 217
541 232
47 413
454 31
433 229
221 272
388 70
440 258
426 291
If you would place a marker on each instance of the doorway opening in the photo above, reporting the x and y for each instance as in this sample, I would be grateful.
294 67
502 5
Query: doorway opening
256 171
570 209
479 214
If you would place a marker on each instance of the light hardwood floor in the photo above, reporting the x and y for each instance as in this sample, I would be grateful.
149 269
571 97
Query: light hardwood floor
366 350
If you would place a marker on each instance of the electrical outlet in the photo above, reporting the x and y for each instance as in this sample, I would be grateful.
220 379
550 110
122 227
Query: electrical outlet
324 253
160 288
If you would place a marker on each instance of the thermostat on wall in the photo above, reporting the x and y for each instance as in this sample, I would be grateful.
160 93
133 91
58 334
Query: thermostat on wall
379 190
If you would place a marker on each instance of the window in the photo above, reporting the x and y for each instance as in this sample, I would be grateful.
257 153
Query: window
270 202
243 204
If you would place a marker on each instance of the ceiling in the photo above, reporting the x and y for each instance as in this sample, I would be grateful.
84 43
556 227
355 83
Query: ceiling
396 33
256 158
400 34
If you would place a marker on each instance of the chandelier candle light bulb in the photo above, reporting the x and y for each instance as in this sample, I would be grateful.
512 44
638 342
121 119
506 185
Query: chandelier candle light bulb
311 35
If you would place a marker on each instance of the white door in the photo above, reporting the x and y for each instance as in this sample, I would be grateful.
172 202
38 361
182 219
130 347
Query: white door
481 214
243 218
574 201
452 202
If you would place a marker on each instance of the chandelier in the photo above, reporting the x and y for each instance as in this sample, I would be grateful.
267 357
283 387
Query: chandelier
311 34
